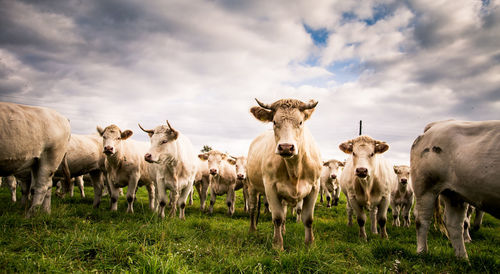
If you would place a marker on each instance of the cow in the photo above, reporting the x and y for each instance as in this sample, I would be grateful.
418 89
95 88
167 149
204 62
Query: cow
202 182
458 161
284 164
34 140
11 183
222 178
329 182
175 158
367 181
241 178
125 166
402 196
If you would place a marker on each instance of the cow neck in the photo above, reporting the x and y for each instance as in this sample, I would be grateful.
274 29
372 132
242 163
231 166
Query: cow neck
294 166
115 160
402 189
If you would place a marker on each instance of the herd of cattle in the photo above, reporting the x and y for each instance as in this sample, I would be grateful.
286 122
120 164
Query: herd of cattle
453 163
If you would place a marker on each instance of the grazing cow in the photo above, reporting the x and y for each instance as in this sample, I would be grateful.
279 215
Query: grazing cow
33 140
459 161
330 185
202 181
402 196
284 164
125 166
11 183
175 158
367 181
222 178
241 178
85 155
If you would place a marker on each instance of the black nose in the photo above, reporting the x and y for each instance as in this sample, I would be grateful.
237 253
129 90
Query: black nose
404 181
286 149
333 176
213 171
108 149
361 172
240 176
148 157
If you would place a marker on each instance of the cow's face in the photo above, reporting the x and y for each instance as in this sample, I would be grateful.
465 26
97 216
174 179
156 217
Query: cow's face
333 167
163 144
241 168
112 138
403 173
215 161
288 117
363 151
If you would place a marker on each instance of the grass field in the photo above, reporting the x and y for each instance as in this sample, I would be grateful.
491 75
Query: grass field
78 238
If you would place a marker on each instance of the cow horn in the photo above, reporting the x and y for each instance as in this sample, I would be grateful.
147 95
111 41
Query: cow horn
310 105
171 128
146 130
263 105
233 157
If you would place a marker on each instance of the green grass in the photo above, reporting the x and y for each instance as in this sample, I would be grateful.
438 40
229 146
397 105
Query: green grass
78 238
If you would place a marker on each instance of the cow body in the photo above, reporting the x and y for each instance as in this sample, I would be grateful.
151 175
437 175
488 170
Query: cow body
367 181
34 140
175 158
402 196
242 178
285 165
459 161
222 178
330 185
125 166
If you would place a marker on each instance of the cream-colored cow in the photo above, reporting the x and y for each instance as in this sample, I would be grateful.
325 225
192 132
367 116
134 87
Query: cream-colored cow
330 185
402 196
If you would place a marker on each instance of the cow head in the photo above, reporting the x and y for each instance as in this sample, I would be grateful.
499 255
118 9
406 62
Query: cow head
333 167
403 173
163 139
364 151
215 161
288 117
112 138
241 167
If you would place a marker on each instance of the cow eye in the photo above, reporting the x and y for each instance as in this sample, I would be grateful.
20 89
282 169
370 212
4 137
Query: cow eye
371 155
274 122
354 154
164 142
300 122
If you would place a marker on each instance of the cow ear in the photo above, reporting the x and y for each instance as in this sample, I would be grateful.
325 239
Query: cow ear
100 130
203 156
381 147
346 147
231 161
126 134
308 113
396 169
341 164
262 114
325 163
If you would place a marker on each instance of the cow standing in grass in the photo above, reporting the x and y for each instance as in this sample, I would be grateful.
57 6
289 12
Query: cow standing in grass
222 178
459 162
285 164
402 196
125 166
367 181
175 159
241 178
330 186
202 182
33 141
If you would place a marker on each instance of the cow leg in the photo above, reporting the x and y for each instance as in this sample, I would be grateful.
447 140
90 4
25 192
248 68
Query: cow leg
266 205
113 194
308 215
298 210
423 214
97 179
183 199
131 190
468 214
328 198
321 192
213 196
349 211
478 220
79 182
25 190
42 173
336 196
72 188
252 203
245 198
162 197
406 214
373 219
11 183
230 198
174 195
382 217
190 197
361 217
204 192
151 195
455 211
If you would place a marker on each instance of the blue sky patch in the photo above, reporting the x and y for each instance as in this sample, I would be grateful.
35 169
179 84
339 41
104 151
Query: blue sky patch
319 36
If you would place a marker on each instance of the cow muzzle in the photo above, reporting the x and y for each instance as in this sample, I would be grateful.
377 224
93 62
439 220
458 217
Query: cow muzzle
404 181
361 172
286 150
148 158
108 150
240 176
213 171
333 176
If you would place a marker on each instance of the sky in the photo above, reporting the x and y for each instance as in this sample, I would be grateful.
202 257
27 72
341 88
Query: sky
395 65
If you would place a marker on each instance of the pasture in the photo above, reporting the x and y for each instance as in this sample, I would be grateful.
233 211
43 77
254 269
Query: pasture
78 238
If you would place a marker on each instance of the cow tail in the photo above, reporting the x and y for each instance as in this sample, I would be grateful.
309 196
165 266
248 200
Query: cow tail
258 209
439 217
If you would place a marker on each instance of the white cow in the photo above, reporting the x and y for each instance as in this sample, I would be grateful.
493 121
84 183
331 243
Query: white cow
125 166
202 182
285 164
367 181
222 178
402 196
242 178
330 185
458 160
175 158
33 140
11 183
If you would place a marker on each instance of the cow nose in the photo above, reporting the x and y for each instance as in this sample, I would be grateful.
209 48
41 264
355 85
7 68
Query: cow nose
333 176
241 176
213 171
404 181
286 149
148 157
108 149
361 172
